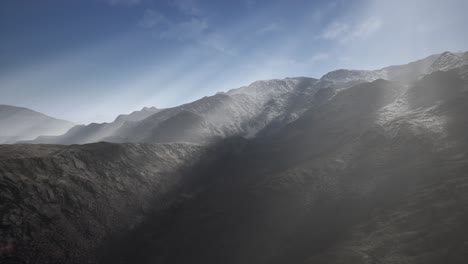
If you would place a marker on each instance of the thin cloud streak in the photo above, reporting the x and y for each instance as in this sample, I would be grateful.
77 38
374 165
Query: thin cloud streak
188 7
123 2
344 32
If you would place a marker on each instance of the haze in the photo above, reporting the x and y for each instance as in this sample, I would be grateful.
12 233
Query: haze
88 61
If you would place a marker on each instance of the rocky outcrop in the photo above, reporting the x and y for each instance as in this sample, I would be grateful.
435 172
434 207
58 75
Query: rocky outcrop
60 203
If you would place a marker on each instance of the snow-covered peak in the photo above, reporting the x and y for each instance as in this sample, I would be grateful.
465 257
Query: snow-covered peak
264 90
447 61
152 109
344 76
137 115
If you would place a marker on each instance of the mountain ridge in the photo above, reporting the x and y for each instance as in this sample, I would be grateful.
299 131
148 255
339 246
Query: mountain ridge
247 110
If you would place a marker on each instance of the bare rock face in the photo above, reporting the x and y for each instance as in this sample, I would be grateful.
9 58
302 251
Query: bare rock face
59 203
448 61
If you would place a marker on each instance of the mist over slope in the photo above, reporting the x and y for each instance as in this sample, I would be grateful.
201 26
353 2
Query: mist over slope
247 110
356 167
19 123
242 111
349 182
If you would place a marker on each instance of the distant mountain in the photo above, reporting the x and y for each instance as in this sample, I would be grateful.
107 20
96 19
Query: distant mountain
408 72
95 132
375 175
405 73
19 123
447 61
248 110
243 111
137 115
415 70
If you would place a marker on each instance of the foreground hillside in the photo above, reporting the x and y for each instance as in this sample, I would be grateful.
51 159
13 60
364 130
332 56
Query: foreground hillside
58 203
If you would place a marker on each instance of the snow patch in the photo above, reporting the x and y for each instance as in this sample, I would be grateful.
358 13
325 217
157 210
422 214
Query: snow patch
392 116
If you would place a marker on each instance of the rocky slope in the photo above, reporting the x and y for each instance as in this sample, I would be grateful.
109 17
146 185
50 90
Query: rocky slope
59 203
375 175
18 123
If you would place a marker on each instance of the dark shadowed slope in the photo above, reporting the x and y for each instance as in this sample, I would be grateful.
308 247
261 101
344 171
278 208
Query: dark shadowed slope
372 176
18 123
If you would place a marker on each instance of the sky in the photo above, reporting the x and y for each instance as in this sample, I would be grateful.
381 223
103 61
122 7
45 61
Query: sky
91 60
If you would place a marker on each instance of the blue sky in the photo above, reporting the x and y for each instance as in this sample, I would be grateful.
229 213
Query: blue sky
90 60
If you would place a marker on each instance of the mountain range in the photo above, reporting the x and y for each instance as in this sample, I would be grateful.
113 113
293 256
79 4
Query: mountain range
354 167
245 111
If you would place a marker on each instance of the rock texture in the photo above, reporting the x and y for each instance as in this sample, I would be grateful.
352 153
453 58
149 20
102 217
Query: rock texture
60 203
355 180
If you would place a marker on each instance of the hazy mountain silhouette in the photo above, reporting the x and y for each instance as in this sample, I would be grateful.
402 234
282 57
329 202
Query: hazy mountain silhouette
247 110
19 123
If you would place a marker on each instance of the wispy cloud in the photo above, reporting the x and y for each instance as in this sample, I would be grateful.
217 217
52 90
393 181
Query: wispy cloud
193 29
344 32
335 30
249 4
151 18
272 27
318 57
306 61
425 28
366 28
188 7
215 41
185 30
319 13
123 2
